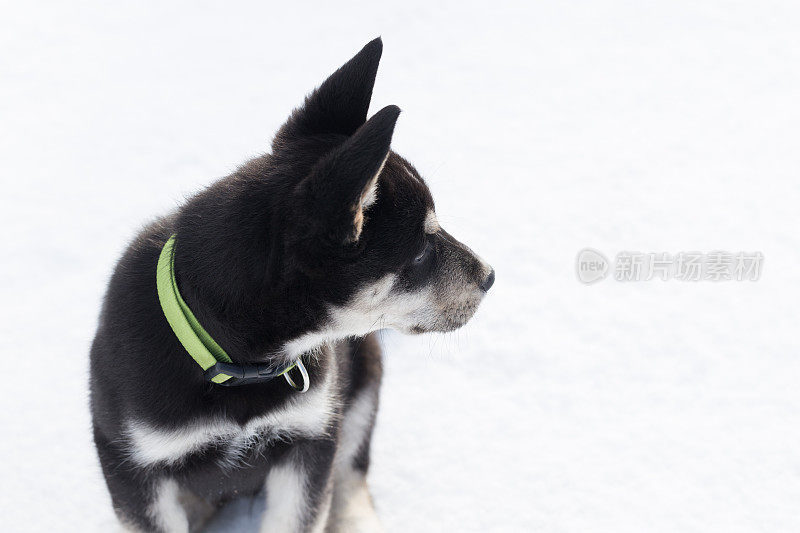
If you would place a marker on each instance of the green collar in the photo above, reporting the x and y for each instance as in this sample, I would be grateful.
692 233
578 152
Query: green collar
199 344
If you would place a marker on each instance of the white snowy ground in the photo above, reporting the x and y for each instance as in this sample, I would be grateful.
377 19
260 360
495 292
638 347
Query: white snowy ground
542 129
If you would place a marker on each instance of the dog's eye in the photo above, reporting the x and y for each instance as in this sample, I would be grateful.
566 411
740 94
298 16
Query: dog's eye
423 254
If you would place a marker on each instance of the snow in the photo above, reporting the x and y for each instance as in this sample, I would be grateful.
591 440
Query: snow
542 129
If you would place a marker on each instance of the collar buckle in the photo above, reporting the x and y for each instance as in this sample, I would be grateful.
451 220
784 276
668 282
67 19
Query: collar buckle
244 372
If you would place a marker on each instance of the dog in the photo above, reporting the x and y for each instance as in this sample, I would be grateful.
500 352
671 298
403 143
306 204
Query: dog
289 266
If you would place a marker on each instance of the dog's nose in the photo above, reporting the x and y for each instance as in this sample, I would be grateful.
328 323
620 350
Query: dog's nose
487 284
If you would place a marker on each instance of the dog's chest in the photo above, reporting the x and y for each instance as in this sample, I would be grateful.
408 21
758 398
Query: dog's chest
302 416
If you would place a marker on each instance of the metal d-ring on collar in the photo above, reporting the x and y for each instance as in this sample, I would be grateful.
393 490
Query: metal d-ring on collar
303 372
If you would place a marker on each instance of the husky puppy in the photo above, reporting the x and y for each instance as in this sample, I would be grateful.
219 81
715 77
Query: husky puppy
299 255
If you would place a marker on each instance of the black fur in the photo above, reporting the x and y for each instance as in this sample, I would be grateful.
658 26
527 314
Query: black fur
260 256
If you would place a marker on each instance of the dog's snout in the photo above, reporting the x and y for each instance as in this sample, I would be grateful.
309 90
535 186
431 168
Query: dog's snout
488 282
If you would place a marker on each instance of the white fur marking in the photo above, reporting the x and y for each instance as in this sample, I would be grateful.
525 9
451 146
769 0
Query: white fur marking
431 223
304 415
372 192
166 510
354 319
355 426
368 197
286 500
354 512
372 308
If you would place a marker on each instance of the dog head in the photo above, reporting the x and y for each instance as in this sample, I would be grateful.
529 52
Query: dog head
347 228
364 222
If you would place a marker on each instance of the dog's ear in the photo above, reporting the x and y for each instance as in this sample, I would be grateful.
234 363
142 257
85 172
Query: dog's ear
343 184
340 104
